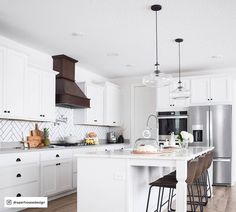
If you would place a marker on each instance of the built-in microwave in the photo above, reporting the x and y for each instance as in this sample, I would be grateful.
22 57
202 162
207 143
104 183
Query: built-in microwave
171 121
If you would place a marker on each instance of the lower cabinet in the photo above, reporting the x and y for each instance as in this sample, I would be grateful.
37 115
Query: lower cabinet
56 176
19 176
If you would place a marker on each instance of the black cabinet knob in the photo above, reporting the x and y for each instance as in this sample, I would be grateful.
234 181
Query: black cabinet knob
8 111
18 160
5 111
114 122
58 164
18 195
18 175
95 120
57 156
211 99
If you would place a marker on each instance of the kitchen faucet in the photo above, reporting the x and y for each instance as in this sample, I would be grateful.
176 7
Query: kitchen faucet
157 126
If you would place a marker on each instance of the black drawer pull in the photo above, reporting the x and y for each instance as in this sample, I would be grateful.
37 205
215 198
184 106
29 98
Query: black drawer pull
18 175
58 164
57 156
18 160
18 195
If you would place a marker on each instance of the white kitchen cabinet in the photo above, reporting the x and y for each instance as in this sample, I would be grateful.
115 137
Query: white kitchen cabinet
210 90
164 100
19 175
56 172
13 70
2 68
221 89
112 105
40 95
94 114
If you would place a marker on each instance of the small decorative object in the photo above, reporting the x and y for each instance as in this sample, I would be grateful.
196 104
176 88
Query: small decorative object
147 133
46 137
172 139
91 138
145 146
185 138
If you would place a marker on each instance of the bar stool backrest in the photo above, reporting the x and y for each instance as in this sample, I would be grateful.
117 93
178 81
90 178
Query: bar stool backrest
200 166
210 159
192 167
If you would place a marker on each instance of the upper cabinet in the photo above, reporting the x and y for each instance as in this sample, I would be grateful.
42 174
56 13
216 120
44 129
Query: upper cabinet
112 105
211 90
40 95
164 100
94 114
25 93
13 70
104 105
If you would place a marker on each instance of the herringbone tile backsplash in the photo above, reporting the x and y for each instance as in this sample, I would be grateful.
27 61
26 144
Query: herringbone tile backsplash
12 130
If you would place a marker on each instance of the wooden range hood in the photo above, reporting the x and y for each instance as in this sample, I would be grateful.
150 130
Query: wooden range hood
68 94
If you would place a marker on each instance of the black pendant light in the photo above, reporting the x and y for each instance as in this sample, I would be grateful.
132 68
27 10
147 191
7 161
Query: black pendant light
180 92
157 78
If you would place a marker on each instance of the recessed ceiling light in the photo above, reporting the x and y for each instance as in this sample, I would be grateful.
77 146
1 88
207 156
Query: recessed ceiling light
218 56
78 34
129 65
112 54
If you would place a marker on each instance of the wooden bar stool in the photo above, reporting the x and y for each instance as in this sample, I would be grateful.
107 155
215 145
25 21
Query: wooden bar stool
170 183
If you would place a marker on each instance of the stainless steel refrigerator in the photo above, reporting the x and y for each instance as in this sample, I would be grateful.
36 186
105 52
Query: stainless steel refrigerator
212 126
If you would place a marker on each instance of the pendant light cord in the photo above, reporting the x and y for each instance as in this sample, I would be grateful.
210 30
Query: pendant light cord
179 65
157 64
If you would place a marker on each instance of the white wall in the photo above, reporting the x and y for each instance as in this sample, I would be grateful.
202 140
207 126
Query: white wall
82 75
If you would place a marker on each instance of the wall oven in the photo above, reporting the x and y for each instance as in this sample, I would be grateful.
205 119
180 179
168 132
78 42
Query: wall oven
171 121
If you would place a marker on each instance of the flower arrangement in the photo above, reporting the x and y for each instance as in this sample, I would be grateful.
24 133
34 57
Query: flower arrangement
185 136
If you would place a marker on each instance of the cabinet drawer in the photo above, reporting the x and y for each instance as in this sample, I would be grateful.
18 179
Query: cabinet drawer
56 155
26 190
16 175
19 158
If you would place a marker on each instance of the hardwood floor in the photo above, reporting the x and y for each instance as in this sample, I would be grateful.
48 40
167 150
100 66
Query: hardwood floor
224 200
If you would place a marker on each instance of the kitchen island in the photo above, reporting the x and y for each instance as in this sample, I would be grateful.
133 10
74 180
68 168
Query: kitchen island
118 181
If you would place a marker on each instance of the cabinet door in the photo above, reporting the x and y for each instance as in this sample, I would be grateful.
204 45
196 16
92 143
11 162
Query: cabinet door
200 88
163 100
220 90
14 80
48 179
93 92
2 68
64 176
112 105
48 96
32 106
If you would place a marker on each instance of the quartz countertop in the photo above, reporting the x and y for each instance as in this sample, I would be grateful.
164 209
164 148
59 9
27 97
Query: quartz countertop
7 150
177 154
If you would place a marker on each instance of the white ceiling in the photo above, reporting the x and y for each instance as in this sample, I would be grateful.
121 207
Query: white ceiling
126 28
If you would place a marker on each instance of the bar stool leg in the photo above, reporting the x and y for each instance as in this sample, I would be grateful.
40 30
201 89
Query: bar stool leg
149 193
209 184
159 202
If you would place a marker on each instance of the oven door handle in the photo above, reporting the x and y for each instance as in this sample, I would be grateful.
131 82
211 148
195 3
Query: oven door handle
172 117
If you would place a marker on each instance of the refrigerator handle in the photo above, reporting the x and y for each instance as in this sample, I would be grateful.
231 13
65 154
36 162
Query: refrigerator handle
208 128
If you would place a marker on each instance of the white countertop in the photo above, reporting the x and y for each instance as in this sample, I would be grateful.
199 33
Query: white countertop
178 154
21 150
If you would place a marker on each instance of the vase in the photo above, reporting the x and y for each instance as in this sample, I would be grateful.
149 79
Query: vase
184 144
